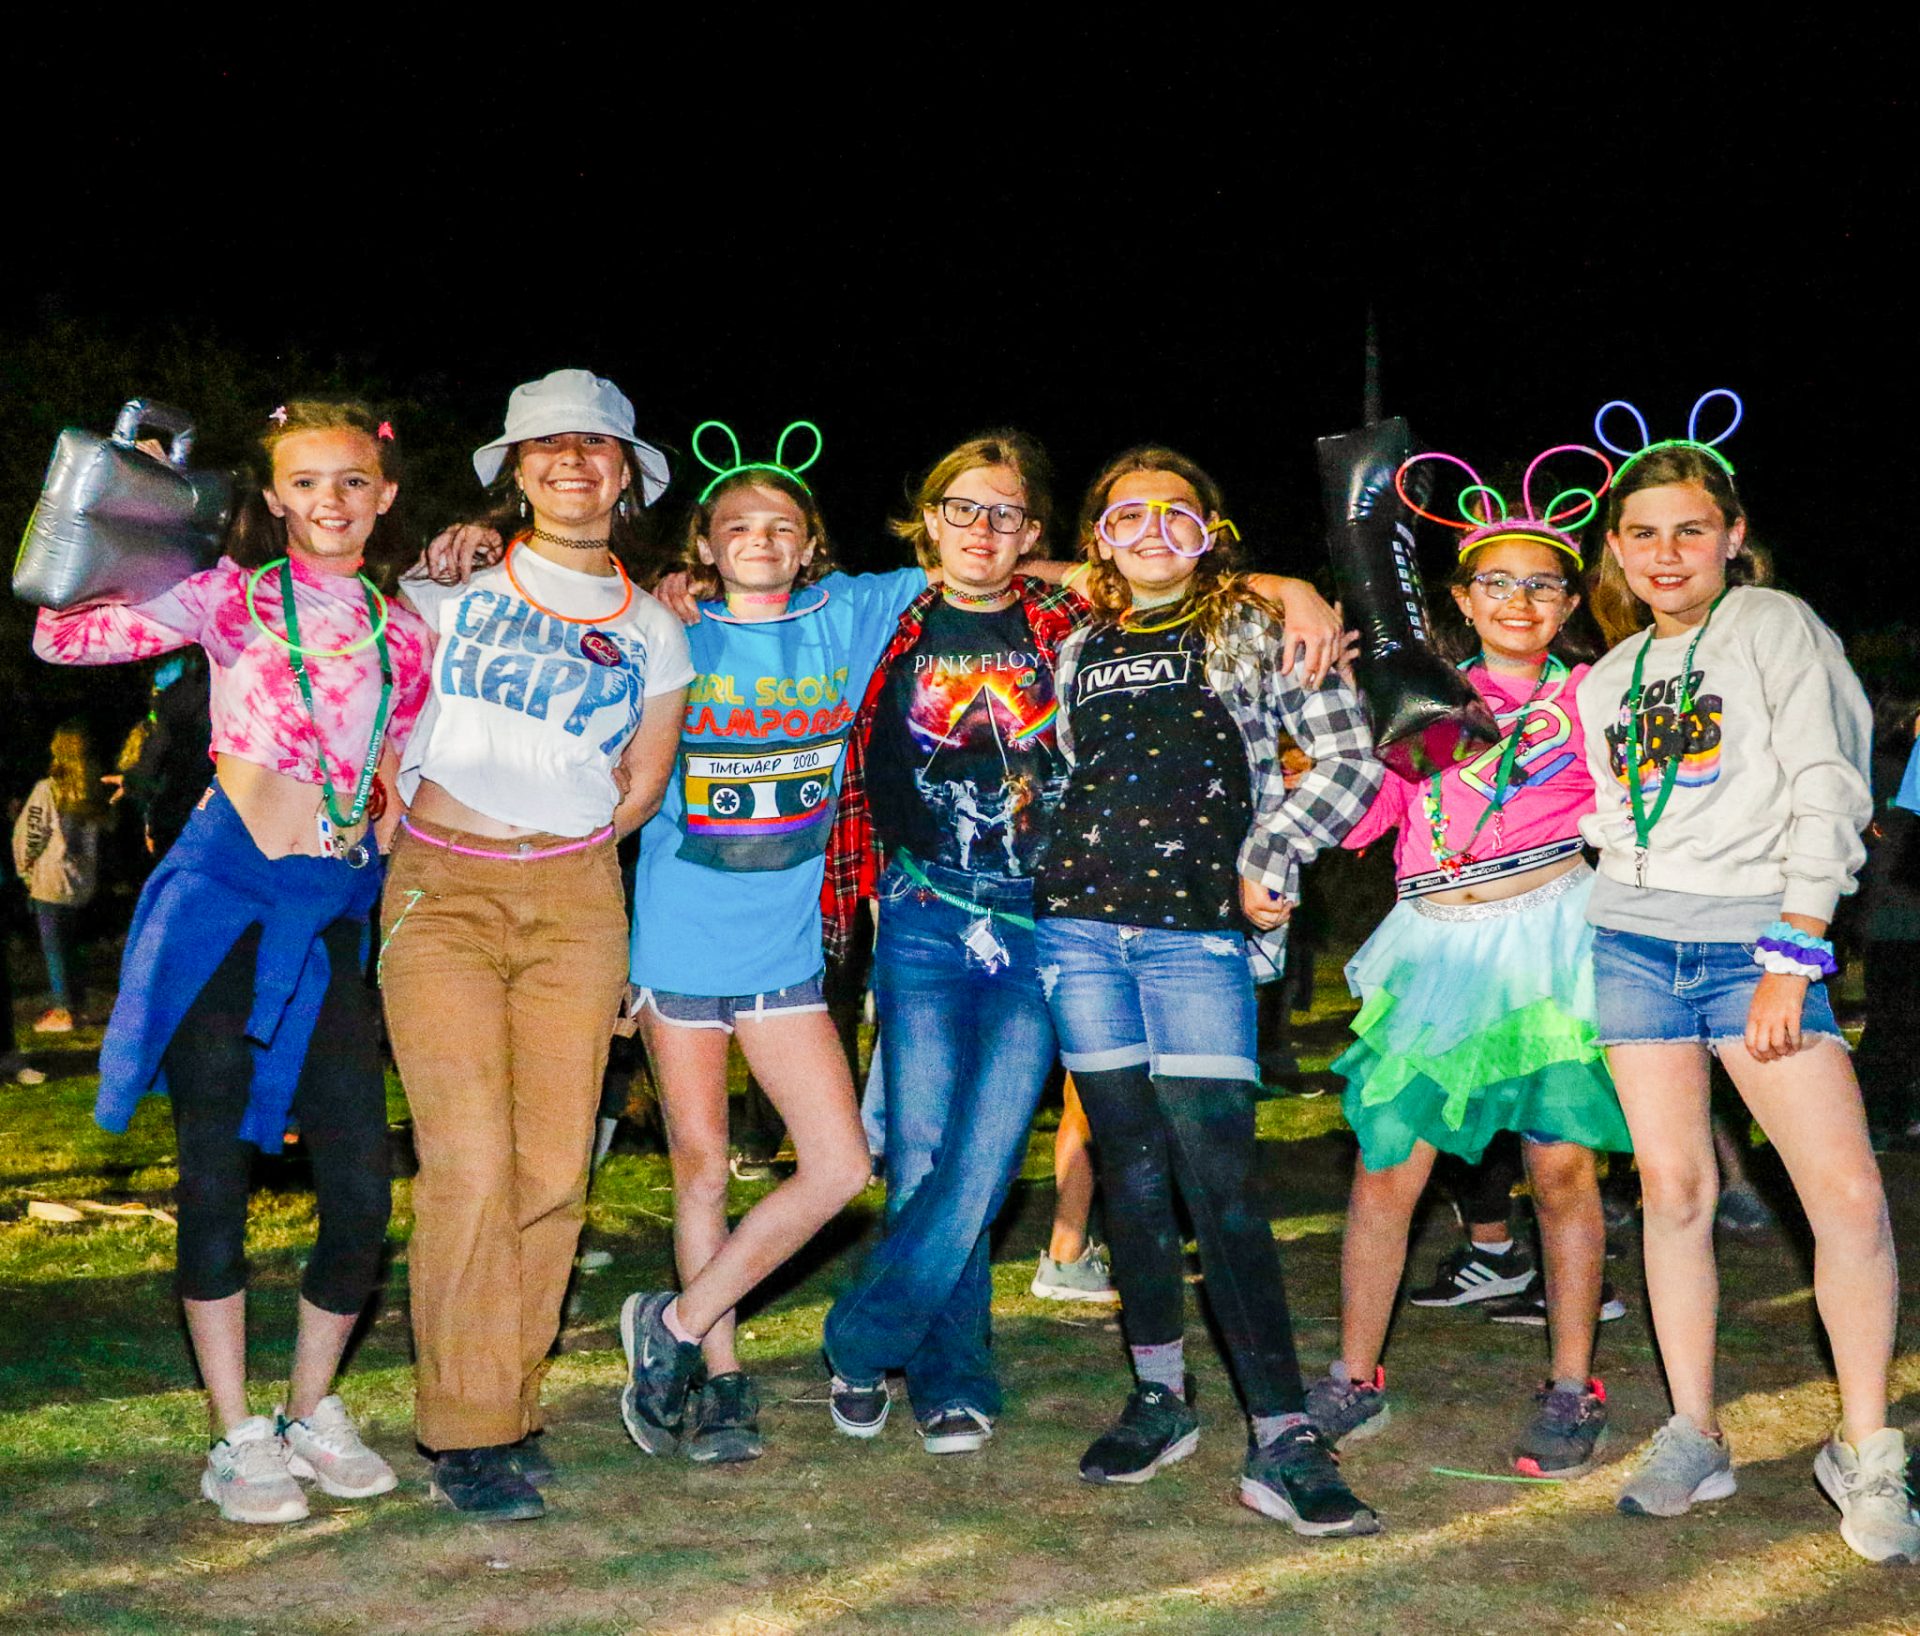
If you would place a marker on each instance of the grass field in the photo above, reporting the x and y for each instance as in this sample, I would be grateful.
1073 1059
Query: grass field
100 1431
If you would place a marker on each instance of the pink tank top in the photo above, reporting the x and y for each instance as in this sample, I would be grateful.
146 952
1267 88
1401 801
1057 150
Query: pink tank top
258 714
1550 791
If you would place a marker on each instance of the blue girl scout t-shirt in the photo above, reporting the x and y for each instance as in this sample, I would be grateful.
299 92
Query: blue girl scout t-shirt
727 890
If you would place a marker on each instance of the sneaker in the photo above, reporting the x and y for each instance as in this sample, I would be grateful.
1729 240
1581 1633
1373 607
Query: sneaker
958 1430
745 1168
486 1484
660 1373
325 1448
858 1411
726 1422
1087 1279
1296 1479
1742 1210
1155 1429
1566 1429
1683 1467
1473 1274
58 1020
25 1075
1347 1411
1869 1484
247 1476
1530 1308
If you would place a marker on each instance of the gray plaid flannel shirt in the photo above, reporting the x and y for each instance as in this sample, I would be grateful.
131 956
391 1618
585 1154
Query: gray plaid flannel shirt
1289 827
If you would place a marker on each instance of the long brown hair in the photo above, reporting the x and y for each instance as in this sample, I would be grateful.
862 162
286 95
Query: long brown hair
1019 453
1616 610
1218 587
630 534
703 579
259 537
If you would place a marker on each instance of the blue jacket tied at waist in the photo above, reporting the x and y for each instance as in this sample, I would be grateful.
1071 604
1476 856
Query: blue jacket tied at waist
211 886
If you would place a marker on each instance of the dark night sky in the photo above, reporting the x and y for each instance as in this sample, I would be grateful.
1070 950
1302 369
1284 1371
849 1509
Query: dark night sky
1100 235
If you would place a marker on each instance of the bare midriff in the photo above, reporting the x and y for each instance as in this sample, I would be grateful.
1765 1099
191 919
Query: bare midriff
1507 886
282 813
436 806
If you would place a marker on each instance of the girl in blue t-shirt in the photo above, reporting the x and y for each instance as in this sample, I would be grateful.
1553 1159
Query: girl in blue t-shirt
727 936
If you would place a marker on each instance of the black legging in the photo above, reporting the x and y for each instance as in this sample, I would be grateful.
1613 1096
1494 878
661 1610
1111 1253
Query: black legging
340 1107
1154 1132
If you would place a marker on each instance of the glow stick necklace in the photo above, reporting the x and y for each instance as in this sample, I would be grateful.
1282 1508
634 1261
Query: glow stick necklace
377 621
776 619
1186 618
1450 860
1643 821
569 619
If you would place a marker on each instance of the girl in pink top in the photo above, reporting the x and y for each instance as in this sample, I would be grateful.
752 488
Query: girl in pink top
1477 990
250 936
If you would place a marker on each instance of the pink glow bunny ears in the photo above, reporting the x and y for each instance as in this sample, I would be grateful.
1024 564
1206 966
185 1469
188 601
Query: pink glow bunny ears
1488 518
1693 440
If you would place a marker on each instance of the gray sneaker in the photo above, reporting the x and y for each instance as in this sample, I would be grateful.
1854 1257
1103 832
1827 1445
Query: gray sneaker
1683 1467
1347 1411
1087 1279
247 1476
1869 1484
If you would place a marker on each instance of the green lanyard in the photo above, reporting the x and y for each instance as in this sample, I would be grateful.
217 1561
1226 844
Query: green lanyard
364 788
1643 821
1554 670
910 867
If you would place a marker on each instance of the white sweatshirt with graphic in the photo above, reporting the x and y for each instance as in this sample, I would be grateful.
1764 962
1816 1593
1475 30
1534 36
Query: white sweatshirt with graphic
1772 789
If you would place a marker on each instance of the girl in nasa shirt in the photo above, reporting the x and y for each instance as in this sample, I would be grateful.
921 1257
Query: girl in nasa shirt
557 694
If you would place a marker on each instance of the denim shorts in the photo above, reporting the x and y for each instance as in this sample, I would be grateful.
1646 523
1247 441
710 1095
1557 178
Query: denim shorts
1649 991
723 1010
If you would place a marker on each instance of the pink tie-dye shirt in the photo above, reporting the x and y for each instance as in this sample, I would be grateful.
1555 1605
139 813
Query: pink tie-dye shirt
258 714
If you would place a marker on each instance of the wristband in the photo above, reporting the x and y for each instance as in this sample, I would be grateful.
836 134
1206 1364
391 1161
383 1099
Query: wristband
1790 952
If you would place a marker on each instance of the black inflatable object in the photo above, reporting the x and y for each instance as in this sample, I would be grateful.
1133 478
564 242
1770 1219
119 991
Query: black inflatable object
114 524
1409 689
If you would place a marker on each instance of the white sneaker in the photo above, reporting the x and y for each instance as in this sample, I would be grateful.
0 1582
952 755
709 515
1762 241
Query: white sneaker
1869 1484
247 1476
325 1448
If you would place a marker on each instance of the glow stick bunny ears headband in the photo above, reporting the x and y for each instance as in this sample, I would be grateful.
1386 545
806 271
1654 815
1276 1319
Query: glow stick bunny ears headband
1489 519
778 463
1692 440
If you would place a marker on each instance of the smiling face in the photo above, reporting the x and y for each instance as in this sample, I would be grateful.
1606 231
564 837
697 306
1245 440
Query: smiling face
572 480
328 488
1519 629
757 540
1673 545
975 558
1150 566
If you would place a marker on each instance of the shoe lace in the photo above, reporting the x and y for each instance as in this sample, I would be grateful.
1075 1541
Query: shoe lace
332 1434
259 1460
1307 1458
1876 1483
1563 1409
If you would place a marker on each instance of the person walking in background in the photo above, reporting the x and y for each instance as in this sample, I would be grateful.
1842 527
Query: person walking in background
56 849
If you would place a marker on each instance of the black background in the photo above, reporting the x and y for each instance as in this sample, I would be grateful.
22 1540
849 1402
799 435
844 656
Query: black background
914 227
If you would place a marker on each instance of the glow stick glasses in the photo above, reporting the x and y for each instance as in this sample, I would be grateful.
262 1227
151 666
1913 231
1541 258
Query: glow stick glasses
1125 523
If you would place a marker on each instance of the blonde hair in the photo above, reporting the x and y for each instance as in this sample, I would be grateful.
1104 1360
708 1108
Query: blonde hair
1019 453
1218 588
703 579
73 777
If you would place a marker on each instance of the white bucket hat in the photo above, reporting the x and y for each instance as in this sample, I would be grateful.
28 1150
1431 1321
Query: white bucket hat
572 400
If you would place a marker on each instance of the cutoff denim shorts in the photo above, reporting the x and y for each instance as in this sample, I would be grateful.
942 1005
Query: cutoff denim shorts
1649 991
722 1010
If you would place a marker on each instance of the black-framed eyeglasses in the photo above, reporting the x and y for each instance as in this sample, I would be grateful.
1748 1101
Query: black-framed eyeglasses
1001 518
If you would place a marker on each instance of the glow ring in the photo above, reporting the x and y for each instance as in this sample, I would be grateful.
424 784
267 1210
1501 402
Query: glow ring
1639 420
1400 488
1705 398
506 562
777 619
1482 522
1567 522
697 455
1521 534
751 465
1679 443
780 448
372 636
1526 482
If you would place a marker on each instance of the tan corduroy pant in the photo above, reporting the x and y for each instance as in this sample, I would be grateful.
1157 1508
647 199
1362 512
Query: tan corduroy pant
502 978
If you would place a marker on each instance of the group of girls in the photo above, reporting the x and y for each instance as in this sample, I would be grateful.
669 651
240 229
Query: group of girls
1063 784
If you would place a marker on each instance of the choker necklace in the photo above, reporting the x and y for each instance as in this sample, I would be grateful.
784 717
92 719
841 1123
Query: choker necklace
776 619
571 545
978 599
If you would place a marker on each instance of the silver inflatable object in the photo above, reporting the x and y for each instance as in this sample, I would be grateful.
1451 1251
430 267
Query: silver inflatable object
113 524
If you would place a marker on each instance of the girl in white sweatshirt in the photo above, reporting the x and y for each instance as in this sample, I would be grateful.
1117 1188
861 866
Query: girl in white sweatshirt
1729 748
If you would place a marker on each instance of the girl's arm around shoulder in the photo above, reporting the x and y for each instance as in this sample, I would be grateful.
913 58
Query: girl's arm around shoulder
112 633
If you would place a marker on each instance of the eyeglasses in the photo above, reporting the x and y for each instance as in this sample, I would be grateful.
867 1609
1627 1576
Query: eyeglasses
1002 518
1125 523
1541 588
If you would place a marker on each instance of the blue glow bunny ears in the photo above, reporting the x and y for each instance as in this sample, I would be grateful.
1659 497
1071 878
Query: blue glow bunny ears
777 464
1488 518
1693 440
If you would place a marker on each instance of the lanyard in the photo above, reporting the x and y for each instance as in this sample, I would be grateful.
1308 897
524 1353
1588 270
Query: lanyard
910 866
1643 821
1555 671
295 657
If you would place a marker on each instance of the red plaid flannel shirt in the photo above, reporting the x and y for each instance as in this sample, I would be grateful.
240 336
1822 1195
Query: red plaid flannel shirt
853 854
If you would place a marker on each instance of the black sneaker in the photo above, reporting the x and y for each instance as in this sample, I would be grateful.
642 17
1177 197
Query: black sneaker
1349 1411
660 1374
1566 1430
956 1430
531 1460
1296 1479
1155 1429
726 1422
1530 1308
486 1485
858 1411
1474 1274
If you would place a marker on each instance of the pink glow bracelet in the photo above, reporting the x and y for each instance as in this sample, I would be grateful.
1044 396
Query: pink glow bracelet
525 854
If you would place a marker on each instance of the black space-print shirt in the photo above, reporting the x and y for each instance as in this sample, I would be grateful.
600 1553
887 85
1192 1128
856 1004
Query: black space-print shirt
1149 830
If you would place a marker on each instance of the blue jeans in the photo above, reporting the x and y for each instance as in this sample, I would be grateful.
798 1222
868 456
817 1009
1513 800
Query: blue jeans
967 1048
1648 991
55 921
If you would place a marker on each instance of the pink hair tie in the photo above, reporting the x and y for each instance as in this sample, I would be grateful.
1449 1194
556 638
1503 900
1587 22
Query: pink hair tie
279 416
384 430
